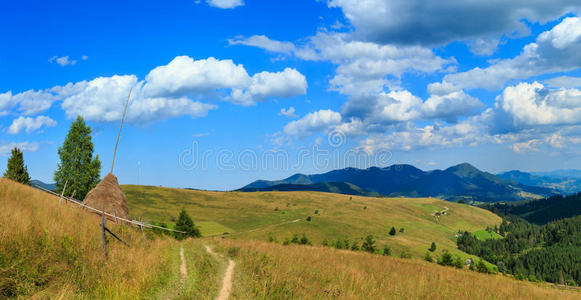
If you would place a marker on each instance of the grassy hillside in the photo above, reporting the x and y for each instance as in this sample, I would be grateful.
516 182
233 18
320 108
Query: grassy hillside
271 271
261 215
52 250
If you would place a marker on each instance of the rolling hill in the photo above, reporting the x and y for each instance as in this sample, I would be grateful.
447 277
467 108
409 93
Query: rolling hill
462 181
280 215
50 250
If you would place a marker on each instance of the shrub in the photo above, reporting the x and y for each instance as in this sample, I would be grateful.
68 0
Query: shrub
392 231
325 243
304 240
405 254
309 219
401 230
355 246
316 211
295 239
446 259
482 268
458 263
369 244
386 251
428 257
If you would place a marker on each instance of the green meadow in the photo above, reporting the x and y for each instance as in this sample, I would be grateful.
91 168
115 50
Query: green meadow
278 215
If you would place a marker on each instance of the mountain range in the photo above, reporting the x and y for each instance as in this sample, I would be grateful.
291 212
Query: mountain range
46 186
564 181
460 182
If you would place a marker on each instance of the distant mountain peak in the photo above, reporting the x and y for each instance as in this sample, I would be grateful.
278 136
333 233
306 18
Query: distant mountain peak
457 182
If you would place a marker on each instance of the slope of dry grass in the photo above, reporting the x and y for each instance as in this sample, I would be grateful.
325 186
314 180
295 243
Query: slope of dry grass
52 250
271 271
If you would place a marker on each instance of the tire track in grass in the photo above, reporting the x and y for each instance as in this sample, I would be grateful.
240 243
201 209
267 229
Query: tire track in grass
183 266
227 280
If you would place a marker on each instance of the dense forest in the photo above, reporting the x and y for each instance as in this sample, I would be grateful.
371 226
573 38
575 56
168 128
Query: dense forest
541 211
551 252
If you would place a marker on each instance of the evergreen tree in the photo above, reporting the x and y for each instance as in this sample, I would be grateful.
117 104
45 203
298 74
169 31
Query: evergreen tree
392 231
78 168
432 247
16 170
186 224
369 244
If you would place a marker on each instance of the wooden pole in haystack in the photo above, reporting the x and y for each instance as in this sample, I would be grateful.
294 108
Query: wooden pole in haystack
103 238
120 125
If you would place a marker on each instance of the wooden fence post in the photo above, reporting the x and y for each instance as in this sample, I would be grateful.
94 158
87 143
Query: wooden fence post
63 192
115 214
103 239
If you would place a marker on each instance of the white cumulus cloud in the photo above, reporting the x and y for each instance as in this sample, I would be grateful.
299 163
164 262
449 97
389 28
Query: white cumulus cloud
5 149
285 84
182 87
262 41
290 112
312 122
556 50
30 124
225 4
63 61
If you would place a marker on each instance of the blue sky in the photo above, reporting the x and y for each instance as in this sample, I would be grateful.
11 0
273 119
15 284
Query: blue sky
229 91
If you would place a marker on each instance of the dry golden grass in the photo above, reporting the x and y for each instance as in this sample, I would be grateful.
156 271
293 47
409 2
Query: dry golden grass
272 271
52 250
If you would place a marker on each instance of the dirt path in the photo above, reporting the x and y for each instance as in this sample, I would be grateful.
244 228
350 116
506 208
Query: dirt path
227 281
183 266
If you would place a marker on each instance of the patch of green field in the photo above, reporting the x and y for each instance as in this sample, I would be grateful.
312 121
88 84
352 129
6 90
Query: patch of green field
429 208
210 228
484 235
261 215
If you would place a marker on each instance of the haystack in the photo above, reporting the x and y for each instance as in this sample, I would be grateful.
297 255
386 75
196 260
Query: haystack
109 192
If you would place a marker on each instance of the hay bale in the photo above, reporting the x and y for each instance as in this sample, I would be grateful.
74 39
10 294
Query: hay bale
108 192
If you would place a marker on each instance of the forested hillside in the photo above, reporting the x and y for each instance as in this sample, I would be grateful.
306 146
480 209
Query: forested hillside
551 252
541 211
